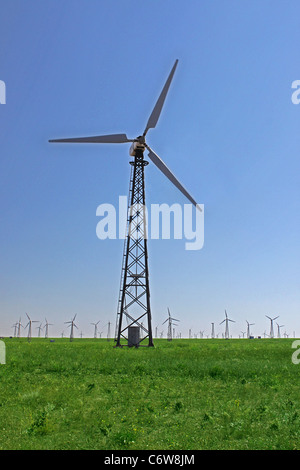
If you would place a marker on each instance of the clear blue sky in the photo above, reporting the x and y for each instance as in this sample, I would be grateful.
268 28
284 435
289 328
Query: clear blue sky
229 131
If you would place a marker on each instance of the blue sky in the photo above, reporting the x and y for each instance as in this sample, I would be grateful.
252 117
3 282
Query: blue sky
229 131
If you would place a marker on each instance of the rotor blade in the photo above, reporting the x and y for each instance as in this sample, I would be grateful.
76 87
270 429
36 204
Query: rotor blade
269 317
165 321
174 319
152 121
98 139
231 320
165 170
276 317
222 322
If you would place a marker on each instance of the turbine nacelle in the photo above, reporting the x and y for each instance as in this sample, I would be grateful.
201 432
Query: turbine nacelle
138 144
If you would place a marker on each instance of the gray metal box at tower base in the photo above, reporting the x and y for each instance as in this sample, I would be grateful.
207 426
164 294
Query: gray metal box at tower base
133 336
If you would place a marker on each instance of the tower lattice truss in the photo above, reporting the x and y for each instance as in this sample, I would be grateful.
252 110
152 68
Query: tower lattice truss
134 299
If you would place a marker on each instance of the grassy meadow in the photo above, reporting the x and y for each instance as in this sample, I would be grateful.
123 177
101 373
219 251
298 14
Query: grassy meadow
183 394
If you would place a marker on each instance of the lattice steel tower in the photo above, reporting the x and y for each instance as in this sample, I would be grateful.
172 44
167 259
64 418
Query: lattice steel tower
134 298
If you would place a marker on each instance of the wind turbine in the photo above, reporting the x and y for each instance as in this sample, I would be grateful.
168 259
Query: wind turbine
226 320
278 330
46 327
95 331
15 329
134 295
72 324
19 327
212 330
248 328
29 326
271 328
39 328
170 321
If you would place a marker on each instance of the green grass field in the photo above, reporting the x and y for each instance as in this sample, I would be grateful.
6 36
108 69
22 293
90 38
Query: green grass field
184 394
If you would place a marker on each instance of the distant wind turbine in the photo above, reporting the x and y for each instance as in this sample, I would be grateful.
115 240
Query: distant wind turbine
278 330
226 320
271 327
95 330
46 327
248 328
72 324
29 324
39 328
15 329
170 321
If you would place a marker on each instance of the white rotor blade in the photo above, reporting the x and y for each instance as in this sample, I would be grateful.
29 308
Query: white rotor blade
165 170
160 102
98 139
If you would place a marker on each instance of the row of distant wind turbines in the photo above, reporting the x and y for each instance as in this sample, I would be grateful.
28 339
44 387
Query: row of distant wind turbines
172 322
18 325
271 335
